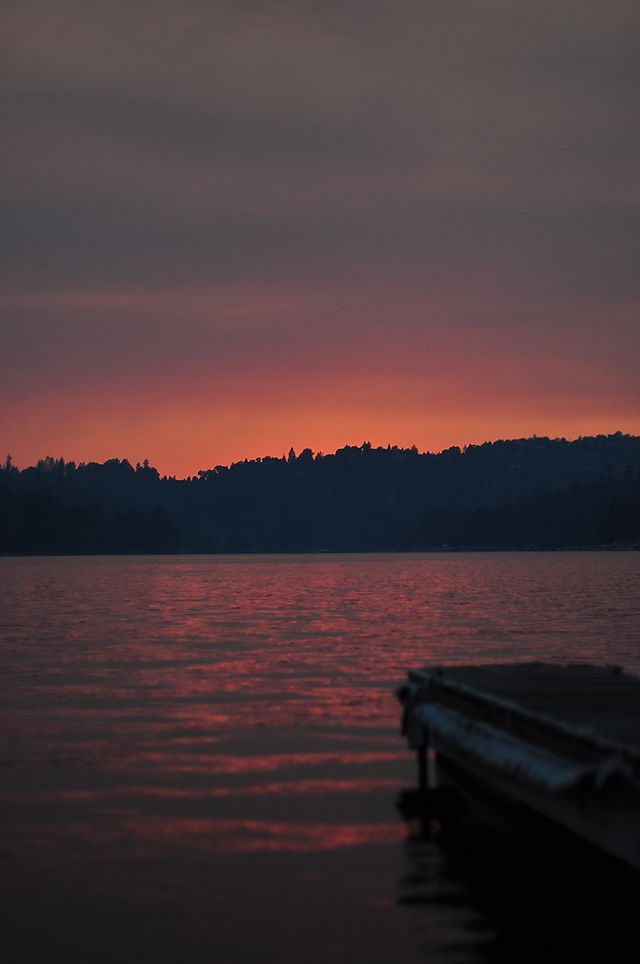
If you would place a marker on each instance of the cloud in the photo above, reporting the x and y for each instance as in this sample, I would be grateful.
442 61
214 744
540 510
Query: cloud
512 103
436 195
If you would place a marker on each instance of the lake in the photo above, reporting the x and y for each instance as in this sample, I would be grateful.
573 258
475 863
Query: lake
201 756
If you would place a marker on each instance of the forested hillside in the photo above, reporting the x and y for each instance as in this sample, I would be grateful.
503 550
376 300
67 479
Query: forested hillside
33 522
358 499
602 513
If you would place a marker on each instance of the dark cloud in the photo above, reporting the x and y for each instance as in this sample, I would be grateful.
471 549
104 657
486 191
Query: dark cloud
515 102
55 242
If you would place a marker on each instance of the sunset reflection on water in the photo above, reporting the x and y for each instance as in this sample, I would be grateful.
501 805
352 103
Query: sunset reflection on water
170 718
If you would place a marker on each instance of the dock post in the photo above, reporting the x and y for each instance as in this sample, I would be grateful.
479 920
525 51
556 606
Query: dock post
422 765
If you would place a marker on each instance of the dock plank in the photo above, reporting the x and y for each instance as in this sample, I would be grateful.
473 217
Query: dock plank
605 699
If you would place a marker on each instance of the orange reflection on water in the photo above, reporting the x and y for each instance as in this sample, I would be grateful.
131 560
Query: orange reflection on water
289 788
284 788
152 837
246 836
221 764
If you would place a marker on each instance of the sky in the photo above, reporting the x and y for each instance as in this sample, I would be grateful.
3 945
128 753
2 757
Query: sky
229 228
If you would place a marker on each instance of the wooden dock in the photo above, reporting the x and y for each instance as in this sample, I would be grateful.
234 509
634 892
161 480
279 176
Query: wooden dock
562 740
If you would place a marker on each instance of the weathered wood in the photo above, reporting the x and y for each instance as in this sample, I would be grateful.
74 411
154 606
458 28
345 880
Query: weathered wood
564 740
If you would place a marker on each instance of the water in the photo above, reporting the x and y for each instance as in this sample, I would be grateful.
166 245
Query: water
201 758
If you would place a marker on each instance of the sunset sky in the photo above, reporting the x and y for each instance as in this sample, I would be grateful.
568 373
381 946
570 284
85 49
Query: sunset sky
234 227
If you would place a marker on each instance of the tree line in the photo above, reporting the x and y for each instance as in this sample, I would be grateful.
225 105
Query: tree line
511 493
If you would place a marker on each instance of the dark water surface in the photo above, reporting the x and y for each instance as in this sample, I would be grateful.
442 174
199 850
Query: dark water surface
201 758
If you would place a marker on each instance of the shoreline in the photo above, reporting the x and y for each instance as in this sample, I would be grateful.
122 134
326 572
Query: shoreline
634 547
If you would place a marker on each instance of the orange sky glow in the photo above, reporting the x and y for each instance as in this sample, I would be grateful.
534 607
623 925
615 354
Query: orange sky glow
232 232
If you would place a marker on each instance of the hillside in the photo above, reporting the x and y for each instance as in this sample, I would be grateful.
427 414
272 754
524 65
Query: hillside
358 499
